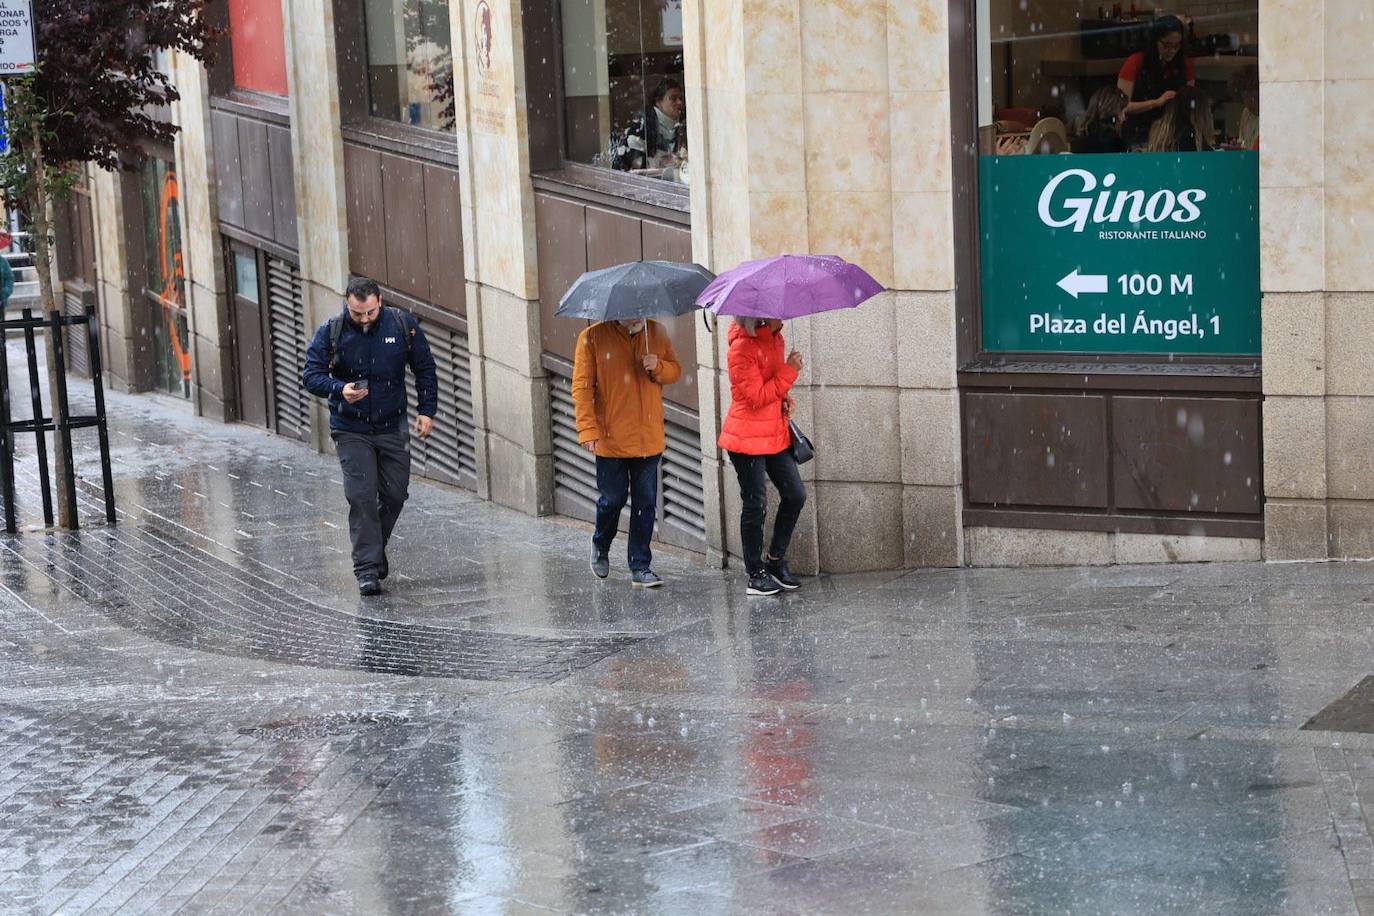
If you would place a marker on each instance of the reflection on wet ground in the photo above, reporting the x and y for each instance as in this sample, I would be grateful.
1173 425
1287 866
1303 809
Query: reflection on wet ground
199 714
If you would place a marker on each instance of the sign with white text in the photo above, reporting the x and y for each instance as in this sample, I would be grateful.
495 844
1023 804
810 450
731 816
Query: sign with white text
1121 253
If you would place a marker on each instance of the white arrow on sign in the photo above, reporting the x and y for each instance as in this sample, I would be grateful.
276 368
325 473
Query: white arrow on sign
1076 283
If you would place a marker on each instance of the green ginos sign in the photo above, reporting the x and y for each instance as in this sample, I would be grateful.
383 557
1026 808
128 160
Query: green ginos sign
1128 253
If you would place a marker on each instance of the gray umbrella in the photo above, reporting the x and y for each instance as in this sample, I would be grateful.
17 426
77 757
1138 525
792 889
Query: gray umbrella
639 289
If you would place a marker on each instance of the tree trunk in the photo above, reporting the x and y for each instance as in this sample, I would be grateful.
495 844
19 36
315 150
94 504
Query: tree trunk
42 227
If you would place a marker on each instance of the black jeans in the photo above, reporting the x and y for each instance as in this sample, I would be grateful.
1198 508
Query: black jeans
376 476
637 480
754 472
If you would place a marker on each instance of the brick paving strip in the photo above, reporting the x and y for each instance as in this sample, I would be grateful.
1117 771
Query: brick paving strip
152 581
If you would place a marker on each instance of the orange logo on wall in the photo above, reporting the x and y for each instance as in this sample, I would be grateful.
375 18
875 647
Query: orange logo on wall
174 284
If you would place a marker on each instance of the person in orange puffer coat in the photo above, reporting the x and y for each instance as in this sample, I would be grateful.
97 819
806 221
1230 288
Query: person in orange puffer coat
759 441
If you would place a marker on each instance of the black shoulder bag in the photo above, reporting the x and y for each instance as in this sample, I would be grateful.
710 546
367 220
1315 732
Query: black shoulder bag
802 449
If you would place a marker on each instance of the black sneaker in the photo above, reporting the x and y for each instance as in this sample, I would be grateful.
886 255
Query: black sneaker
369 586
601 564
779 571
386 568
763 584
645 578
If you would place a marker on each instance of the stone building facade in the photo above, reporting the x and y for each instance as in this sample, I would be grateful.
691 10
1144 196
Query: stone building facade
851 127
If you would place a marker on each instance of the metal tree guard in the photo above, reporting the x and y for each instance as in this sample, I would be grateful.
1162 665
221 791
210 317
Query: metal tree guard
56 324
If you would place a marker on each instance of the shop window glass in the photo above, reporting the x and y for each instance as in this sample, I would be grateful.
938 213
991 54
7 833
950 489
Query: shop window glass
623 98
258 45
165 276
1119 177
246 277
410 62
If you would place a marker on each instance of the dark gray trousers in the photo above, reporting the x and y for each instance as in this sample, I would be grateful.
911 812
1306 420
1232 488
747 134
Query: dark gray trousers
376 478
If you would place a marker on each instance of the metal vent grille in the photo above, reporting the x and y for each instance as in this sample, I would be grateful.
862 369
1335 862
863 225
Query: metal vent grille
574 469
288 345
681 502
682 513
78 337
450 454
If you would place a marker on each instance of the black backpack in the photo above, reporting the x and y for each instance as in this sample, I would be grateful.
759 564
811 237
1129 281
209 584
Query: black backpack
336 327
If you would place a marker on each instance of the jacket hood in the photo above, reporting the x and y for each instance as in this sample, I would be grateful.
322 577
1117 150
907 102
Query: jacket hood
736 332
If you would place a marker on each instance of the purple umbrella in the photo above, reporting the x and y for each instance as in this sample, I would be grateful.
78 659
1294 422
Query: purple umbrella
789 286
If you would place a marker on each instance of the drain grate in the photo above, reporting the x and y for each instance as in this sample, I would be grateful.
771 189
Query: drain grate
328 726
1353 712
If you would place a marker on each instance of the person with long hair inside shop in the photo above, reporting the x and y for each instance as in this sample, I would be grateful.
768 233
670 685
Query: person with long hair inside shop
1151 78
1099 131
1186 126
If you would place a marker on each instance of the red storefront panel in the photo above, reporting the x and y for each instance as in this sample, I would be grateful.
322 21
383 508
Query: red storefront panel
259 45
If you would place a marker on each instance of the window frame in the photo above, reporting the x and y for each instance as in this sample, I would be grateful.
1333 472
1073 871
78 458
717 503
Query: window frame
358 123
220 71
166 155
549 162
1069 370
154 303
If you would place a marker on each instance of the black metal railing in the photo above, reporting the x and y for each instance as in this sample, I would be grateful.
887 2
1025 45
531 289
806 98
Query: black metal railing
56 325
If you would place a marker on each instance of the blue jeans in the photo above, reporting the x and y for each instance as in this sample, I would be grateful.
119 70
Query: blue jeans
637 480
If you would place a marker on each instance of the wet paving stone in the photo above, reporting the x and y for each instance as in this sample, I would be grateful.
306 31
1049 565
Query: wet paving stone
197 714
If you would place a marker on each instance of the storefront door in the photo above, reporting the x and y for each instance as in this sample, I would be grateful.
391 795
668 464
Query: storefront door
249 338
165 278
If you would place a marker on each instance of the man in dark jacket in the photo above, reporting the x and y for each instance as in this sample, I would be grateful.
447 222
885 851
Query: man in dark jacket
357 362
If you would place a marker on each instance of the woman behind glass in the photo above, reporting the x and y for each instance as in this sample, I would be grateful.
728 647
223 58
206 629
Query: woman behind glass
757 437
1151 78
1100 129
651 140
1186 125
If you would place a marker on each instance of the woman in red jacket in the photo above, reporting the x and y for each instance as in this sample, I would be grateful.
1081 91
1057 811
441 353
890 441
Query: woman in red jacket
757 437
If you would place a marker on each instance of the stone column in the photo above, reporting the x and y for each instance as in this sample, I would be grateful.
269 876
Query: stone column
826 130
318 165
1293 275
510 391
923 267
1317 203
207 300
117 277
1348 224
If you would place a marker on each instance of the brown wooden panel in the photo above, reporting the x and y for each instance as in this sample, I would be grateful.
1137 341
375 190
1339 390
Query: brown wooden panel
1187 454
612 238
666 243
443 217
228 179
257 178
561 235
1036 449
674 243
283 187
683 335
407 251
85 240
250 362
366 214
